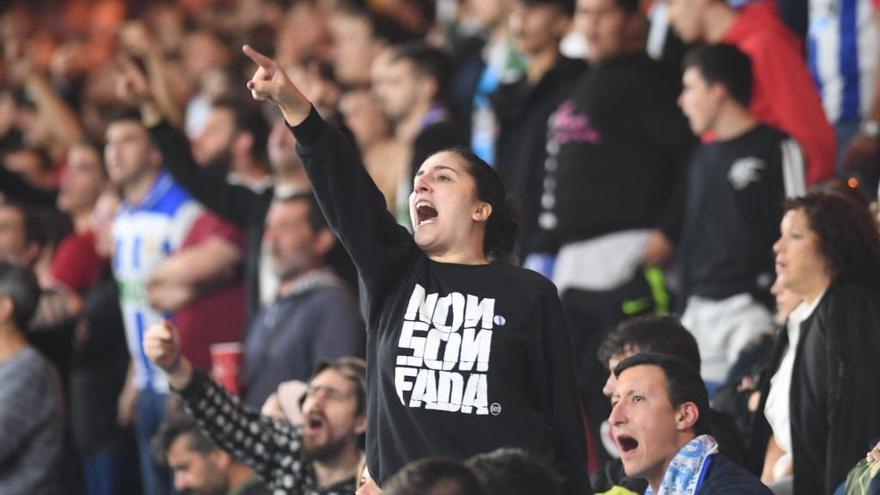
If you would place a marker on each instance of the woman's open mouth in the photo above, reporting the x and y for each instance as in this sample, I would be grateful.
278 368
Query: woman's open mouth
425 212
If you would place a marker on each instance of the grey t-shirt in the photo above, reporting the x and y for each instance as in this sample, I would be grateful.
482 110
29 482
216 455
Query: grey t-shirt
30 425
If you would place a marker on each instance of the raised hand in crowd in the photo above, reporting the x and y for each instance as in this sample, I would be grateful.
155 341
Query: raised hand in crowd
139 43
270 83
162 347
874 454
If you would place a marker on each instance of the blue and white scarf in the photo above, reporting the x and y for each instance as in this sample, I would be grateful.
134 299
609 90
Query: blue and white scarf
688 468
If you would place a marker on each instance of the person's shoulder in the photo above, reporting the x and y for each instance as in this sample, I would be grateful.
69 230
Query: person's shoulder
32 372
727 477
525 278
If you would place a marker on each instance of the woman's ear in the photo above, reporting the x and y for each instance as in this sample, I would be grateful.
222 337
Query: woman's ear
482 212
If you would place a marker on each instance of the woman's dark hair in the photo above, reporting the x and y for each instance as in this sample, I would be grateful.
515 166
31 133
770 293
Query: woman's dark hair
502 227
847 234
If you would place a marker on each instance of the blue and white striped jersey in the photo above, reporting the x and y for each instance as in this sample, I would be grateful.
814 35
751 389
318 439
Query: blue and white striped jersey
843 43
144 235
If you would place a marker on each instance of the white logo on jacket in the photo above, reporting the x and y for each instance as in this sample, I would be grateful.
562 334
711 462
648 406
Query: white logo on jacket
443 352
744 171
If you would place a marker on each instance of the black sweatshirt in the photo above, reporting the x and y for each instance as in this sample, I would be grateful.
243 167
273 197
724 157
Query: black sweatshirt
618 151
523 109
735 193
461 359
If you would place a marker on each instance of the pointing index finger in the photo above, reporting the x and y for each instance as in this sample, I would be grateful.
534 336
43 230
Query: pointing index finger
258 58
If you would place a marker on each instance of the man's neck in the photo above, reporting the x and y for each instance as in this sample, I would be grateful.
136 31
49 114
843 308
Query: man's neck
285 286
238 475
82 221
717 20
411 125
296 181
541 62
136 192
249 170
338 469
11 342
733 122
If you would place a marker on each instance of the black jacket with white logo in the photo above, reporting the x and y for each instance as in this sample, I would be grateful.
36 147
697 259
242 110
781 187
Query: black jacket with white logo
736 190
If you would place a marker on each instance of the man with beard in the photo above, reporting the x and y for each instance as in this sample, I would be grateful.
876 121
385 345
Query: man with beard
200 468
313 316
319 457
409 83
234 140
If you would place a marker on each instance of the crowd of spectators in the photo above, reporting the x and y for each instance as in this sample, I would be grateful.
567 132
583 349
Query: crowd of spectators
199 293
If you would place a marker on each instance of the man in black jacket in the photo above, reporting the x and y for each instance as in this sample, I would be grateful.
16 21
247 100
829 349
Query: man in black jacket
524 106
613 189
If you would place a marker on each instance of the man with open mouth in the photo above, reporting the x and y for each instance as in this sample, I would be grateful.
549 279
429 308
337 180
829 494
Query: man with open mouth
659 422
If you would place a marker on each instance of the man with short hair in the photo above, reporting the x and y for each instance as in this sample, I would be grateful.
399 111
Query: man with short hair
514 471
409 81
155 216
654 334
613 189
658 421
434 476
313 316
359 36
523 108
784 95
233 140
31 414
736 188
199 467
320 456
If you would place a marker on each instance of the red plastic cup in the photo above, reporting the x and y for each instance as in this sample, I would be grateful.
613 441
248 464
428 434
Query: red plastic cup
225 364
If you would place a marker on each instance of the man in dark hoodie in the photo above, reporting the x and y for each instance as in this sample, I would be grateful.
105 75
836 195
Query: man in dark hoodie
613 190
524 106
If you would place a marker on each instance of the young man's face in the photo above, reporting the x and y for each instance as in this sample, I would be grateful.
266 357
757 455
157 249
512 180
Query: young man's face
128 154
700 101
195 473
604 26
213 146
330 415
354 48
536 28
82 180
398 89
644 423
291 240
